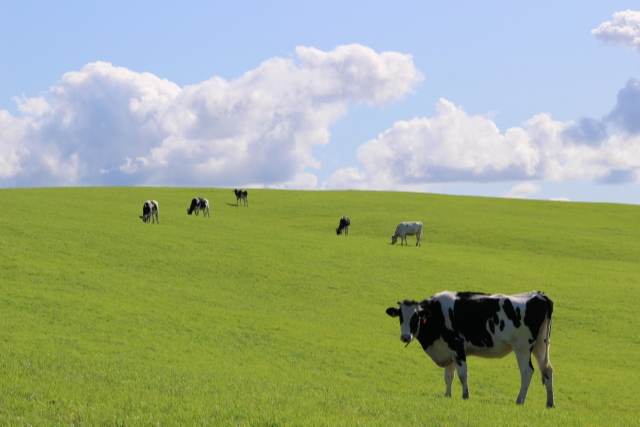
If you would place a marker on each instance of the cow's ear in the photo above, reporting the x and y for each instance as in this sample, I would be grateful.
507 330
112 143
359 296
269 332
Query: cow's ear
393 312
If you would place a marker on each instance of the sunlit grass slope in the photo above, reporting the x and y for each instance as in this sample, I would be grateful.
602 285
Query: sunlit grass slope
262 315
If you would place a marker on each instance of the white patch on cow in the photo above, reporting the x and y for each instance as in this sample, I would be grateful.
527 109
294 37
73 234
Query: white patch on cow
440 353
447 299
408 311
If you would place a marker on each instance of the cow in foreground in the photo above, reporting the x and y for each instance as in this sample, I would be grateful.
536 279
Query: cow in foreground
407 228
241 196
150 210
199 204
451 326
343 226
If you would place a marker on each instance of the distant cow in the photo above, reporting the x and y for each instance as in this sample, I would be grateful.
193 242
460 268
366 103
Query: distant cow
343 226
150 210
199 204
450 326
408 228
241 196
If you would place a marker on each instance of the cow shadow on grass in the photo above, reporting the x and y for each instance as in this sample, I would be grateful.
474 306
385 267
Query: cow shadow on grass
232 205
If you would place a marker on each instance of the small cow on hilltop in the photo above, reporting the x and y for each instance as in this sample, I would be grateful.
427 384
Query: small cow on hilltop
408 228
150 210
241 196
343 226
453 325
199 204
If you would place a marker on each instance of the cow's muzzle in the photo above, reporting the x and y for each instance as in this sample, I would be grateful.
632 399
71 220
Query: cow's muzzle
405 338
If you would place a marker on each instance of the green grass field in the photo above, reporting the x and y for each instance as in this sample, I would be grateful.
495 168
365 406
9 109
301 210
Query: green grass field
263 316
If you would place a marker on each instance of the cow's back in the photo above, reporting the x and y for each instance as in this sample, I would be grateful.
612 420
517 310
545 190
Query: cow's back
492 324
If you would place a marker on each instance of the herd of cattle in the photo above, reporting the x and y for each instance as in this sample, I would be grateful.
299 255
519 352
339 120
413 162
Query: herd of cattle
151 208
151 211
451 326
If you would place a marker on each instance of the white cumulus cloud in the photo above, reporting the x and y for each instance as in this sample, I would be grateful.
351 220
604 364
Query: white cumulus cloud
453 146
106 124
623 28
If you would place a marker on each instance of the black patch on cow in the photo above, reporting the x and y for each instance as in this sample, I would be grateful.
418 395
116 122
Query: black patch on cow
433 325
451 316
511 313
455 343
537 309
471 313
146 211
194 204
343 225
468 295
492 327
501 325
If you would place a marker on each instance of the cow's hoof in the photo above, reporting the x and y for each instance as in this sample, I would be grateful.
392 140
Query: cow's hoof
465 396
550 405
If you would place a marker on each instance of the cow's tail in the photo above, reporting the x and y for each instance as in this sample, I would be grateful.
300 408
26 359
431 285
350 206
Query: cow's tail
543 341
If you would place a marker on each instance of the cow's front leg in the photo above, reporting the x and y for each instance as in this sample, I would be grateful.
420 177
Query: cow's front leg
461 367
526 371
448 378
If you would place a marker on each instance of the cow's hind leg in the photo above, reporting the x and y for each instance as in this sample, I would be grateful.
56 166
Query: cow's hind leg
448 378
541 352
526 371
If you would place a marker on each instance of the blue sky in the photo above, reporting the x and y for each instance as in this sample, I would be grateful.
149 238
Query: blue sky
501 62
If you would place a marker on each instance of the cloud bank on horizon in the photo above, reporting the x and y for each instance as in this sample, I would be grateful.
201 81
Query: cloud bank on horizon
454 146
110 125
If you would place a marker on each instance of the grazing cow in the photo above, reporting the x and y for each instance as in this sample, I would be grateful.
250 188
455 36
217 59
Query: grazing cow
150 210
451 326
408 228
241 196
199 204
343 226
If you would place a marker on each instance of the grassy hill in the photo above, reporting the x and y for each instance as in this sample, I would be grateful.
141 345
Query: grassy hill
263 316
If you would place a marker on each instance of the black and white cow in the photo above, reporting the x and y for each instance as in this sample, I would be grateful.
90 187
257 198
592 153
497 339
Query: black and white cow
453 325
150 210
241 196
343 226
199 204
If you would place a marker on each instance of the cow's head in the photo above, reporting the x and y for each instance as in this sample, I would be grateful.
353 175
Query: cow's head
394 239
192 207
411 315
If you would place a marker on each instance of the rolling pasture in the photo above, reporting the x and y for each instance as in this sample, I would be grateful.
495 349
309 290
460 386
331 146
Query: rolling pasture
263 316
